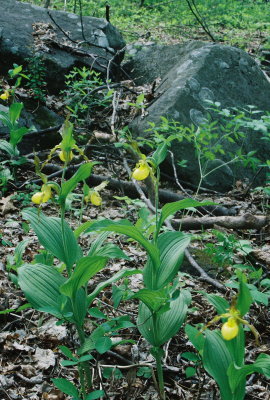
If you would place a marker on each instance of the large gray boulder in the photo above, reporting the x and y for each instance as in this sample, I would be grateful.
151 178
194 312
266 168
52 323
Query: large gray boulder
192 75
26 29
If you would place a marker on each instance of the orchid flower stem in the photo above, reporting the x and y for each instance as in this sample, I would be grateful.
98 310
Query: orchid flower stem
156 186
85 373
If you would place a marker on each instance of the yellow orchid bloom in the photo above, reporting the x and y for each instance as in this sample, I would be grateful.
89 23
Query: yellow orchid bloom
5 95
95 199
230 329
141 171
43 196
66 156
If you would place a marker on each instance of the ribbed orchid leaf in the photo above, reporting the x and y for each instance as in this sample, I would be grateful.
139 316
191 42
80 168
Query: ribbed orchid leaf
167 324
171 246
244 299
195 336
216 361
83 173
124 227
237 375
86 268
171 208
41 286
62 245
153 299
119 275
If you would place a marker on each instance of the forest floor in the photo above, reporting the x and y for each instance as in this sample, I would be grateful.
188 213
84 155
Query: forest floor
30 340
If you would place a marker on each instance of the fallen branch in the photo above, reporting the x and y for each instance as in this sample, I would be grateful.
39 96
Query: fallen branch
246 221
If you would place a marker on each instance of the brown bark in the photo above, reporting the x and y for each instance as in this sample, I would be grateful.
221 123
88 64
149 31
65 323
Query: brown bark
246 221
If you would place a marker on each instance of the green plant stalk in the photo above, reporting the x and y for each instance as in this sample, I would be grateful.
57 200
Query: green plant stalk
84 370
158 358
63 210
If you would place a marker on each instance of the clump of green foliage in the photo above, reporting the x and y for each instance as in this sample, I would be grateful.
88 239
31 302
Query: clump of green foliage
85 94
36 73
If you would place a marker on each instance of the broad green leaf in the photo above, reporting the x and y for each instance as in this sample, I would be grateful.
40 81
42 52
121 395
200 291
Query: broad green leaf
216 361
79 306
40 284
236 347
190 371
8 148
62 245
78 231
195 336
167 324
171 208
103 344
15 112
90 342
244 299
67 352
119 275
124 227
160 154
66 386
97 243
97 394
171 246
16 135
221 305
153 299
83 173
85 269
237 375
111 251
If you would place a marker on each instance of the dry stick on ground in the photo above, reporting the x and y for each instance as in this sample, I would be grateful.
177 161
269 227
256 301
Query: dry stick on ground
246 221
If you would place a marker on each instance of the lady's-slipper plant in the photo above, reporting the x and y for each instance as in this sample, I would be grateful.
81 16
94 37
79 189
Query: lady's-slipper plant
61 289
163 305
223 352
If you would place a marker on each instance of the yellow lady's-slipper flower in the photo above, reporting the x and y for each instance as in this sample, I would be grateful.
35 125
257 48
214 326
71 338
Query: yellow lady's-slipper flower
230 329
94 197
141 171
66 156
5 95
43 196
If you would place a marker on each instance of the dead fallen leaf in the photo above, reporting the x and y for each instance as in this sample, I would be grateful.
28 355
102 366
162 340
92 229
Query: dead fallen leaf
44 358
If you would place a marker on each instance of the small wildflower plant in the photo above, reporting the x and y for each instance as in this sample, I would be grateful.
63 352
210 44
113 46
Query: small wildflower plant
61 289
223 351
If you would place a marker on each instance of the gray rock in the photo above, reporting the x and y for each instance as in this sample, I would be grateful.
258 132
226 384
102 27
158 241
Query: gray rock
18 43
192 75
39 118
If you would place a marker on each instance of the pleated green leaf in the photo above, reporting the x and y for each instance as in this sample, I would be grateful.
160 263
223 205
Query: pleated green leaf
171 246
195 336
244 299
221 305
41 286
216 361
171 208
160 154
119 275
153 299
168 323
86 268
237 375
236 347
83 173
49 232
124 227
8 148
